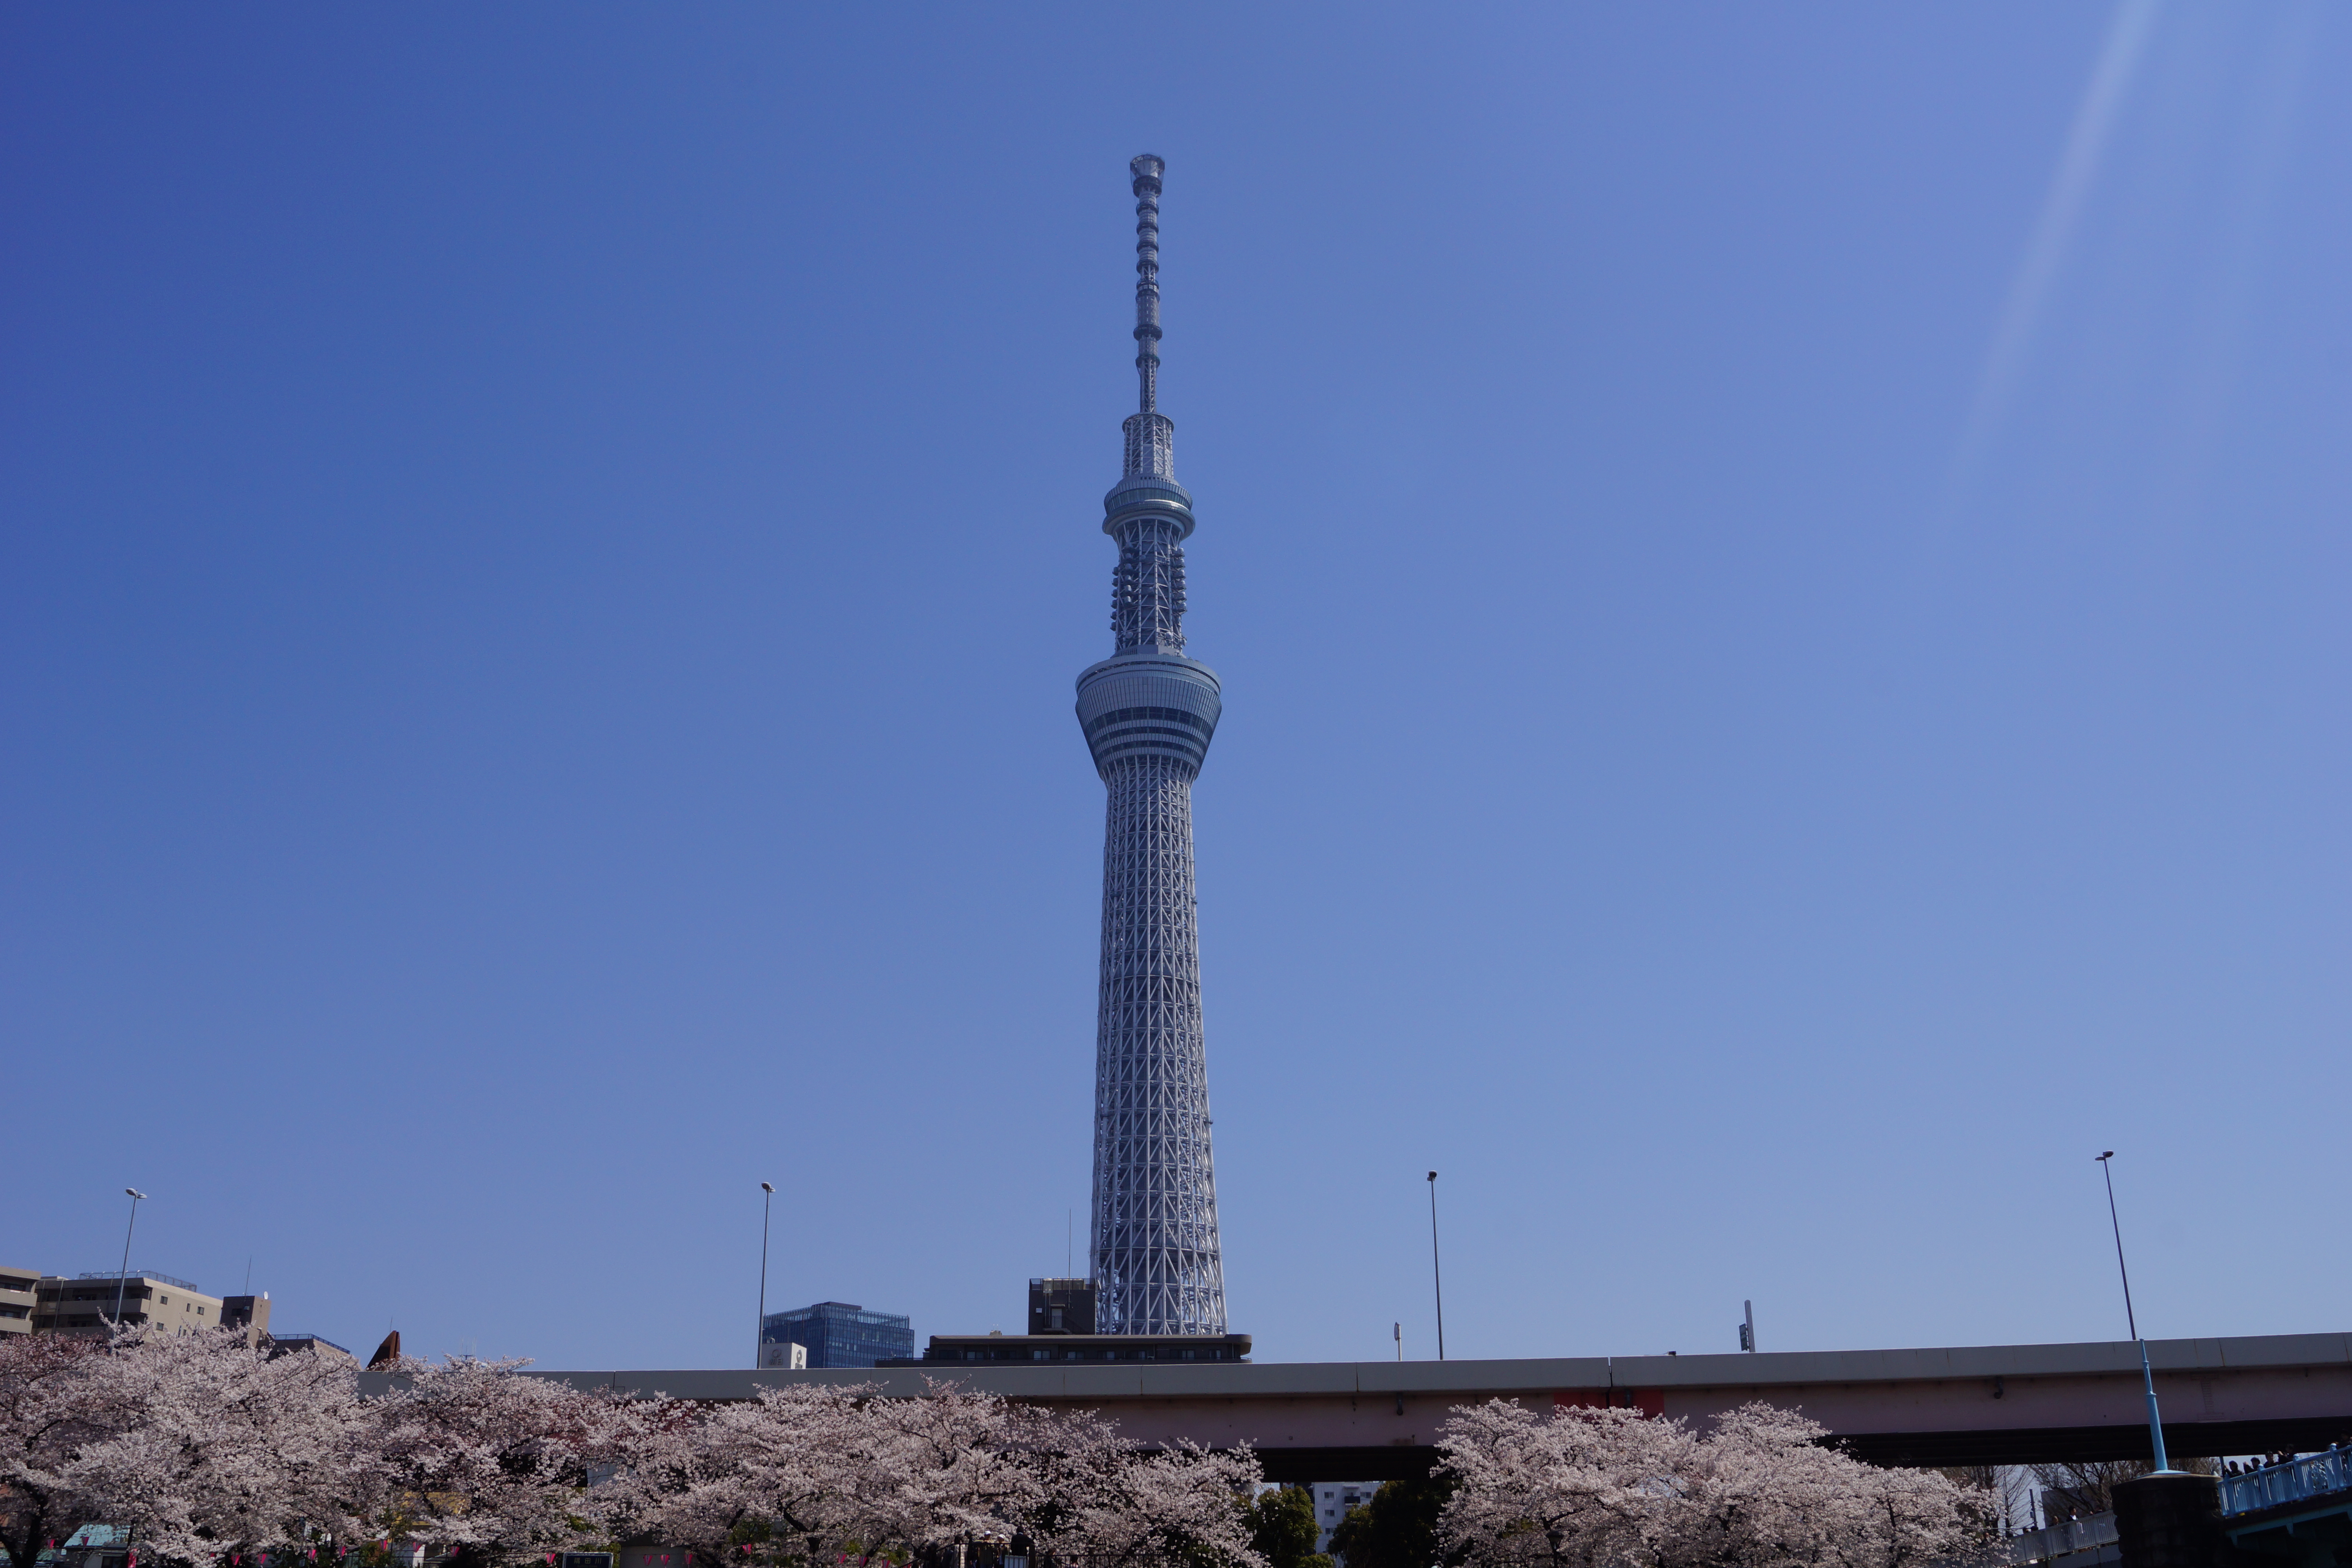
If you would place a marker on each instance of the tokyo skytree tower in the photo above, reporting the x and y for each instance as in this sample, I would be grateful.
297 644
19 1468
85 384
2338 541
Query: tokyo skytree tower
1148 713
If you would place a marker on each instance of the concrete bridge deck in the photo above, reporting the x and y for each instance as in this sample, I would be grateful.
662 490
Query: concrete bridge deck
1971 1405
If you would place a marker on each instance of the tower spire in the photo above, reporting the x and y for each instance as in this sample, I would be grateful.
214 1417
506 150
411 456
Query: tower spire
1150 435
1145 172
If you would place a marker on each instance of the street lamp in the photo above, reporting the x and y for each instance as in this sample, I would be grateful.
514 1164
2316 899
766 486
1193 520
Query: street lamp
767 1199
1436 1278
123 1274
2146 1374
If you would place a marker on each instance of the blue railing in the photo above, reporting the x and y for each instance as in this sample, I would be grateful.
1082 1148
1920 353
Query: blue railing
2315 1475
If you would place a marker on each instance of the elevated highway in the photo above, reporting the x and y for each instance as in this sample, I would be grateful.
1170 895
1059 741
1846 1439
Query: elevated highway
1971 1405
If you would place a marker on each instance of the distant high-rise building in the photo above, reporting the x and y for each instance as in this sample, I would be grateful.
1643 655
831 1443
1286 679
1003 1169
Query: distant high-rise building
835 1334
1148 713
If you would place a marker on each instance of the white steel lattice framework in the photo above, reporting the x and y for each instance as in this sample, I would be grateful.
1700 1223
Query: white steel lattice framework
1149 713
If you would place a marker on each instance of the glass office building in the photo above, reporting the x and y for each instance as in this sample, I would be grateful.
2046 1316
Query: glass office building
836 1333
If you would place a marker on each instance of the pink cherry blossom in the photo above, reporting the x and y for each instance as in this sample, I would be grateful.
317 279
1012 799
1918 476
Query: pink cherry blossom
1612 1488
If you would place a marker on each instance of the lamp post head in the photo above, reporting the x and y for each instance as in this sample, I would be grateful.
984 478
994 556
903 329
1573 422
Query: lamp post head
2107 1156
1433 1176
133 1193
766 1188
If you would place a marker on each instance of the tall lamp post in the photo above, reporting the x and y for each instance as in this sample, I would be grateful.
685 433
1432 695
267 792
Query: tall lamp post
2146 1374
123 1274
767 1200
1436 1277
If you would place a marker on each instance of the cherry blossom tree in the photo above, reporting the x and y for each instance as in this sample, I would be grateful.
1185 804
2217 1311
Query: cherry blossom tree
1183 1505
963 1464
1762 1489
792 1472
972 1464
1611 1489
807 1472
214 1453
1577 1488
472 1456
48 1416
220 1449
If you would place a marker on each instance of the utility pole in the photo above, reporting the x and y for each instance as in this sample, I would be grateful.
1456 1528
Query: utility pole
2146 1374
1436 1277
123 1274
760 1330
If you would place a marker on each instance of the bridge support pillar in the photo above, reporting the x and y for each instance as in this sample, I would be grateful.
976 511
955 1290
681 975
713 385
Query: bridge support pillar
2170 1521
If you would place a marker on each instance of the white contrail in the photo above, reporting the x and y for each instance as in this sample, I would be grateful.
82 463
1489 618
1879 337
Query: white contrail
2218 338
2087 144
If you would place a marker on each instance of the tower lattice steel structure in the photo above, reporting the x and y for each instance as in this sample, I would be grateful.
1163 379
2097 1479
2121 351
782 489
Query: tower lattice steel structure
1148 713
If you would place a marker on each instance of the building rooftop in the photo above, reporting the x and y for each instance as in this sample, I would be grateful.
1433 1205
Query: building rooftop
142 1274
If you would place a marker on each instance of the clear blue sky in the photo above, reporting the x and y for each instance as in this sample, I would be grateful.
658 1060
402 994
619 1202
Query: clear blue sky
1779 575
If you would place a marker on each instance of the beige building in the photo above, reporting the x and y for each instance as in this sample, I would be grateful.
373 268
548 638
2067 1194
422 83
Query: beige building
85 1306
250 1314
16 1292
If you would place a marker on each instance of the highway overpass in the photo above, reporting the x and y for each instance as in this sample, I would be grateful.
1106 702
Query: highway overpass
1974 1404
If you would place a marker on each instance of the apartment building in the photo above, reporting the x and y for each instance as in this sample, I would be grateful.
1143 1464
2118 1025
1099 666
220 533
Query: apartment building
17 1288
85 1304
1332 1502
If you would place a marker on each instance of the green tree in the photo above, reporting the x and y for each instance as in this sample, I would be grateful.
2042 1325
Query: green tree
1281 1529
1398 1528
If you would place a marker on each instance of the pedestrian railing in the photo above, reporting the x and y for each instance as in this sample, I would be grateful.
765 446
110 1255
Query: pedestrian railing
2064 1538
2314 1474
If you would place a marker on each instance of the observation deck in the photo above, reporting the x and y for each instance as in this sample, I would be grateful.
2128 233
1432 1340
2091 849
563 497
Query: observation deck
1148 703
